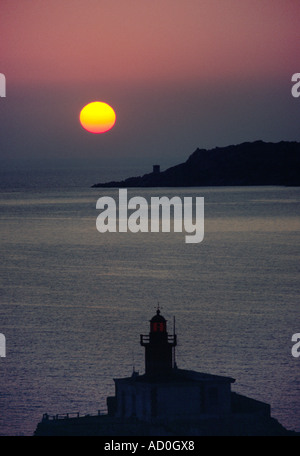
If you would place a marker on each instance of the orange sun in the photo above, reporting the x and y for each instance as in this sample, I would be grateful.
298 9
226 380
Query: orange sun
97 117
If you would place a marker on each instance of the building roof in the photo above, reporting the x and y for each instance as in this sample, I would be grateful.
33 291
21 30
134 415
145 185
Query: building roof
176 376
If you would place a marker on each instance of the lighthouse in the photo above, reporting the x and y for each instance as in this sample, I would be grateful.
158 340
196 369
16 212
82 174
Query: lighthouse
168 400
159 347
164 390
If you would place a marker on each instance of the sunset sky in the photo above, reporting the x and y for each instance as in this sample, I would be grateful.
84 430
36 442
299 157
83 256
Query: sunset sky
180 74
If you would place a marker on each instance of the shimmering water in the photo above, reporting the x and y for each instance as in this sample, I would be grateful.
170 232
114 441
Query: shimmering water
74 301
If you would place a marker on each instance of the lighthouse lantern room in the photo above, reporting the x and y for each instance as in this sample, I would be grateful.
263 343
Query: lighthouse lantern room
159 347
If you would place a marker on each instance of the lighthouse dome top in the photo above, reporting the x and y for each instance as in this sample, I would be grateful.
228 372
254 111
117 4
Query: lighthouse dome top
158 324
158 317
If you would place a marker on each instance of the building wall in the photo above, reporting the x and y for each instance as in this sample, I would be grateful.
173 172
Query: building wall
133 399
193 401
158 400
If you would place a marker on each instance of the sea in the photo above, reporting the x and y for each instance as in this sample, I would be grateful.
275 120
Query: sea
74 301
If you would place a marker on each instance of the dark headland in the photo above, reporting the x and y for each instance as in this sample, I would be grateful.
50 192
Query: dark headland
249 163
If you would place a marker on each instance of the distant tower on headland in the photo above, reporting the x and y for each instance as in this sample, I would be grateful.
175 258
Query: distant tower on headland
156 169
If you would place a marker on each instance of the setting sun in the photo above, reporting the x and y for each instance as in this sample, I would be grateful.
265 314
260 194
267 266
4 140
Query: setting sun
97 117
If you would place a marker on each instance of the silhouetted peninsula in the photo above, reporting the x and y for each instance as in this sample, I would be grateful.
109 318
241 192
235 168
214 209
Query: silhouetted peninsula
249 163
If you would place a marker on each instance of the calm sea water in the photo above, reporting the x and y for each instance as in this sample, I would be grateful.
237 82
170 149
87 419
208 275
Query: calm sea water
74 301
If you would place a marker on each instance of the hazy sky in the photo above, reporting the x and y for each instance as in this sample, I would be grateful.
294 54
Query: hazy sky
180 74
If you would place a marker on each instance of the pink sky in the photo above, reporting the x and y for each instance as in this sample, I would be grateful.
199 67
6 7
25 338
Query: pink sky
157 41
180 74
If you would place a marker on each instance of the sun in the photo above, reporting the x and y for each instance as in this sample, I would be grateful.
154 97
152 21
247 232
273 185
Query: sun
97 117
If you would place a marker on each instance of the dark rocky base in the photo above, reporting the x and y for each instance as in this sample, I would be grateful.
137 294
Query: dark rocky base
105 425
